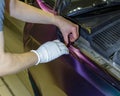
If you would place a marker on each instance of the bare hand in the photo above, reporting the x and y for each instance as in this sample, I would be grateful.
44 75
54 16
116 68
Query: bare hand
69 30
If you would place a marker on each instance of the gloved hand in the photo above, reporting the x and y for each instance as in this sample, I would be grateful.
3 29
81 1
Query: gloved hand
50 51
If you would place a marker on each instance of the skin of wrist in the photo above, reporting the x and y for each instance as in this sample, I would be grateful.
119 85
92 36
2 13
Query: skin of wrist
56 20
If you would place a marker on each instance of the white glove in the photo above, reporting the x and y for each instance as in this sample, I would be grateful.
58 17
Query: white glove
50 51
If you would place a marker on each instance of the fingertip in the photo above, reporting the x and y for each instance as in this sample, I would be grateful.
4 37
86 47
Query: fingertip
75 32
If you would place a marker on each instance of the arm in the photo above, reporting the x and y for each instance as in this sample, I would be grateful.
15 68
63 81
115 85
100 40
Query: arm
31 14
27 13
12 63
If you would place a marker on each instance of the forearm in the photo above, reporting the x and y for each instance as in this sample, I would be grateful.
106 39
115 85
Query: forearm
31 14
12 63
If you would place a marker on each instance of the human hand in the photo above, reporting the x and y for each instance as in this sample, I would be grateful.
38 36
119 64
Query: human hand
50 51
69 30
